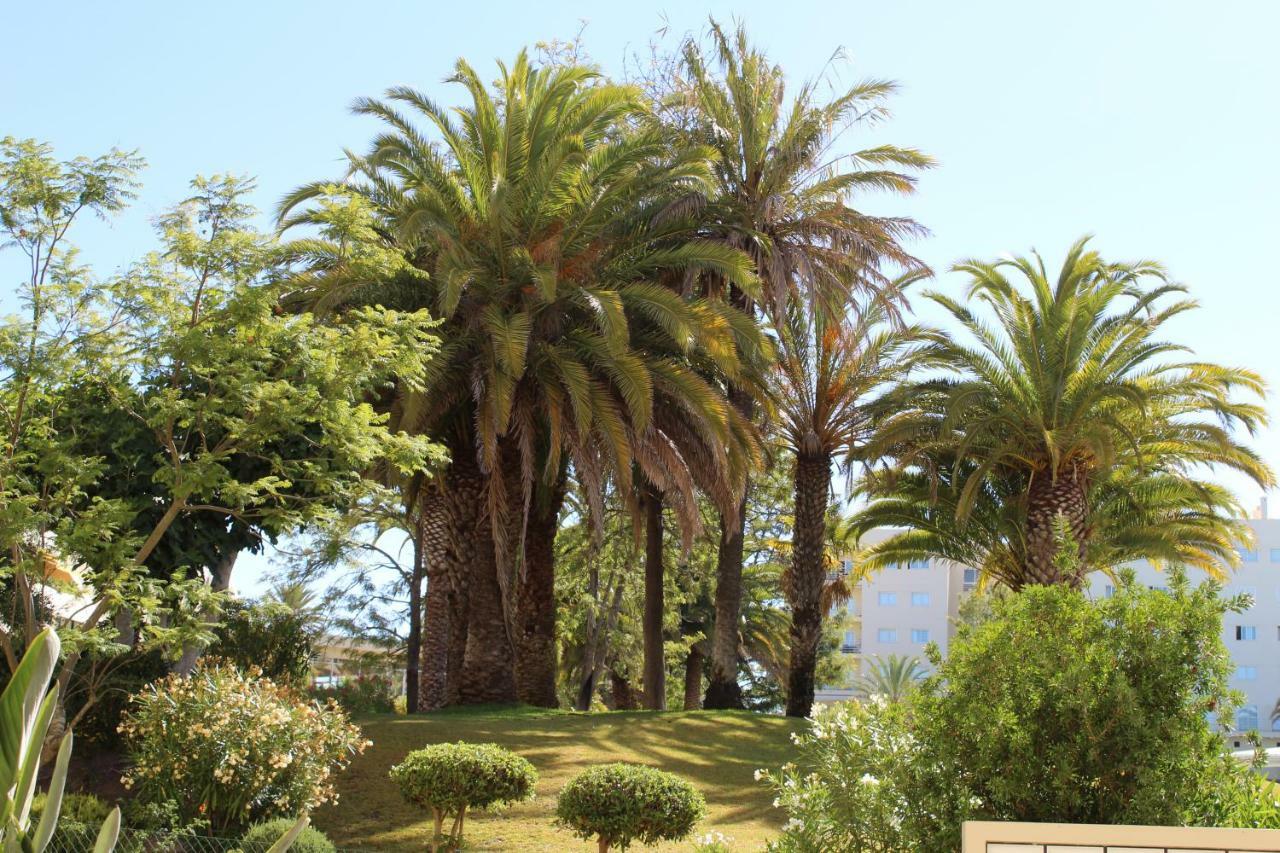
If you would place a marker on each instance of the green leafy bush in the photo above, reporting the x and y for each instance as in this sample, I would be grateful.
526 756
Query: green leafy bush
261 836
233 747
270 638
1053 707
449 778
364 694
620 803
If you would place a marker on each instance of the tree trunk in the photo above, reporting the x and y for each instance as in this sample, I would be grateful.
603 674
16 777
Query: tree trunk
805 582
723 690
413 649
693 677
655 665
535 664
437 628
219 580
624 695
1047 499
488 674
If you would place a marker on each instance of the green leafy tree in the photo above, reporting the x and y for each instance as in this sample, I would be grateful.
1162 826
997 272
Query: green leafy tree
253 415
784 196
1062 402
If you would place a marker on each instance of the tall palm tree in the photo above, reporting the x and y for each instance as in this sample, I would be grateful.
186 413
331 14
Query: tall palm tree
891 678
1063 406
782 196
826 371
545 218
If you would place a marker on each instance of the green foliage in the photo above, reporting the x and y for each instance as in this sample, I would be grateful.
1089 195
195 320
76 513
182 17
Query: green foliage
234 747
622 803
1056 708
449 778
271 638
1057 394
892 678
261 837
362 694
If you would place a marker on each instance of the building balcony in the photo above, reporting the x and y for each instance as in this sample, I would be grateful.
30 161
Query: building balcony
850 648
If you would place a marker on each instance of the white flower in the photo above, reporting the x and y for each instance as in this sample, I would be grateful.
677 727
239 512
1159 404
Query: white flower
868 779
758 775
793 823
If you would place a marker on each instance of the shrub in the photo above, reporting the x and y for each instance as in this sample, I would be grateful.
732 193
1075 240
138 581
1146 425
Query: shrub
620 803
449 778
79 819
1052 708
364 694
261 836
233 747
270 638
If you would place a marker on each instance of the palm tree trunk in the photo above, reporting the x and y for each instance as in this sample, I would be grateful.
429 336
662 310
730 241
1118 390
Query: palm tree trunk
488 674
433 666
723 690
624 695
413 649
1047 500
655 666
693 677
535 665
804 585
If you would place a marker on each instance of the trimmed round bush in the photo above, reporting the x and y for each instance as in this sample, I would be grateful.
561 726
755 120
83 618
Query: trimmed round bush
446 779
620 803
261 836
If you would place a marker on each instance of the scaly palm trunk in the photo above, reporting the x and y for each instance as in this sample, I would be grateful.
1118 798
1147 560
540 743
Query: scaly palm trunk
723 690
433 667
535 665
655 669
693 677
413 648
488 674
624 695
804 585
1047 499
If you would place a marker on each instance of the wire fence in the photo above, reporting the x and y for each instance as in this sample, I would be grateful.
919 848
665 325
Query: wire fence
132 841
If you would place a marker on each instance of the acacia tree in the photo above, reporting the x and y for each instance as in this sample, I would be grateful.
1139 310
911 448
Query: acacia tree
1067 407
188 345
786 198
543 216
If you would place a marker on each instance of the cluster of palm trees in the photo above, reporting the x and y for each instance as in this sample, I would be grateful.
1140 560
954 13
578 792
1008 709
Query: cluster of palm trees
643 292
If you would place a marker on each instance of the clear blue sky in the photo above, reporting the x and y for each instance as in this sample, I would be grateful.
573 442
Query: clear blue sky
1154 125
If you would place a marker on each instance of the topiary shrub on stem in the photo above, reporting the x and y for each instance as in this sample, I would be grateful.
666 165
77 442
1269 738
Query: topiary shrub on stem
446 779
262 836
620 803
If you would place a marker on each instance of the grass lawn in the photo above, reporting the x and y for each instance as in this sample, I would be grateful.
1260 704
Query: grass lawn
716 751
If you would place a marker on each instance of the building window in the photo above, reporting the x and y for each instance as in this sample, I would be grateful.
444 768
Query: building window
850 642
1247 556
1247 673
887 635
1110 591
888 599
918 564
1246 632
919 635
919 599
970 579
1275 555
1247 718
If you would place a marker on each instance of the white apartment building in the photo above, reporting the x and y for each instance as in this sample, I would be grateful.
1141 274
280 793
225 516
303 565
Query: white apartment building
899 610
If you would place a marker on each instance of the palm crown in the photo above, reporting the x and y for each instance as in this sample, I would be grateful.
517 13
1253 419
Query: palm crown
1067 407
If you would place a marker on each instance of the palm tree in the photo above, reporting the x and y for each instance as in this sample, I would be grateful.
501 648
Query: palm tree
826 371
1066 408
786 200
545 220
892 678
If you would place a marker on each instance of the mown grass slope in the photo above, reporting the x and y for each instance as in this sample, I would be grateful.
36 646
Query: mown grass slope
717 751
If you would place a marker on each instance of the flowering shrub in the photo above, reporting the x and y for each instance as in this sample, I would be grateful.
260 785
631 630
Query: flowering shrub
448 778
713 842
364 694
233 747
1054 708
621 803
